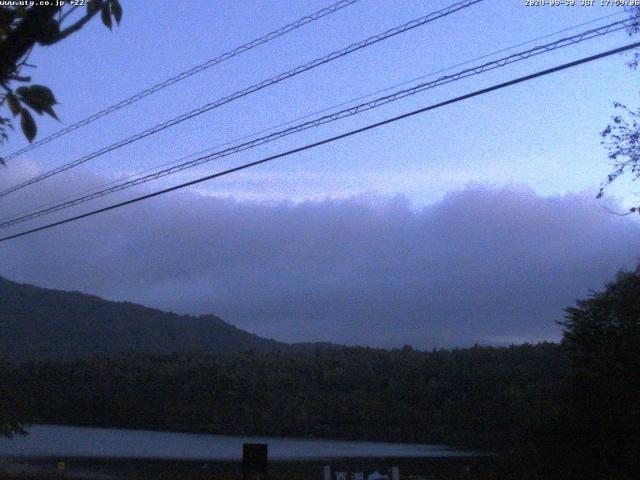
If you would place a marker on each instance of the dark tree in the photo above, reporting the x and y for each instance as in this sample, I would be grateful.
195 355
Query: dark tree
21 29
12 404
602 405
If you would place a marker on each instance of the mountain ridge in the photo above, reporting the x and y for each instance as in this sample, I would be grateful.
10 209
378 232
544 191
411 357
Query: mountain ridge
41 323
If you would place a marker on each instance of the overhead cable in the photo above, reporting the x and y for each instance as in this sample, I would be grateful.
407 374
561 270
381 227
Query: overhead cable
247 91
347 112
186 74
330 139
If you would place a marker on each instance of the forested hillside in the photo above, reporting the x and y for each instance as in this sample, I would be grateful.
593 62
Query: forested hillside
38 323
480 396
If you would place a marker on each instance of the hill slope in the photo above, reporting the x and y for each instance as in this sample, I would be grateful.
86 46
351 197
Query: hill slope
38 323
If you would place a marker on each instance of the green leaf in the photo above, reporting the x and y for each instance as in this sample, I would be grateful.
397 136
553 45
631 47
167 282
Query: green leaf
28 125
14 104
49 111
44 92
116 10
106 15
38 97
92 6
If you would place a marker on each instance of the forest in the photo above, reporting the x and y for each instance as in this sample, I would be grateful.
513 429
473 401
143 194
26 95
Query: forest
474 396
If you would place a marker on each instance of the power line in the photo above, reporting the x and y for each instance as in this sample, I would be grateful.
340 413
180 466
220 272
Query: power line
351 111
317 112
311 114
254 88
332 139
186 74
308 115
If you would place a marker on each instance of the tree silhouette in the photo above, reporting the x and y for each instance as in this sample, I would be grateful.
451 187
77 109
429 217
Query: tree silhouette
21 29
12 408
602 404
622 135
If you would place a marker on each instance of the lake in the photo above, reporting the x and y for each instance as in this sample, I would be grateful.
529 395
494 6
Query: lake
61 441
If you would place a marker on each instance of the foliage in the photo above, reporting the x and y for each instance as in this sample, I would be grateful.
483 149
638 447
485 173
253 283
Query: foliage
602 333
12 412
22 27
481 396
602 338
634 14
598 426
622 136
622 139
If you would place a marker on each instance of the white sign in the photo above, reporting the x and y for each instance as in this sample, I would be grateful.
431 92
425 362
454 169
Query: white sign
360 475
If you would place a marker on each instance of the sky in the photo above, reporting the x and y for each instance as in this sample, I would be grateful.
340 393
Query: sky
473 223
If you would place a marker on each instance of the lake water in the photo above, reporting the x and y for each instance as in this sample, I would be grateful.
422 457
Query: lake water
60 441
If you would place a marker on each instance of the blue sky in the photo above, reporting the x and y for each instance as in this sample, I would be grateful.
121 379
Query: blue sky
539 139
515 136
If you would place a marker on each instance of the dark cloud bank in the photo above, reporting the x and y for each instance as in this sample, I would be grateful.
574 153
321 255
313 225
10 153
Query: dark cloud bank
482 265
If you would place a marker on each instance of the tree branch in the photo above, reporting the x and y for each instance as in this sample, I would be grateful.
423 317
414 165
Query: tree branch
78 25
25 35
65 15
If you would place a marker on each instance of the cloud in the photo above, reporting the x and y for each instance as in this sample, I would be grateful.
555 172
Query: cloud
482 265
